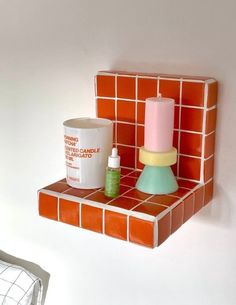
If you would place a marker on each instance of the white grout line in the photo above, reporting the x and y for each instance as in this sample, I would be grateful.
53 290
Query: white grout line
146 76
204 132
96 108
127 228
142 101
103 221
58 210
92 193
210 81
96 93
116 110
175 129
136 120
208 181
179 125
95 85
158 86
204 190
194 197
208 134
187 179
173 78
122 195
182 155
80 215
155 233
126 75
211 108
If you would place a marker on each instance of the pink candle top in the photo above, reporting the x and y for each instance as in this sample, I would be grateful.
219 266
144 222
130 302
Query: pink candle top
159 124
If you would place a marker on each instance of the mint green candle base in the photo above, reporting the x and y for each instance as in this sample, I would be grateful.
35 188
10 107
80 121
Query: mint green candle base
157 180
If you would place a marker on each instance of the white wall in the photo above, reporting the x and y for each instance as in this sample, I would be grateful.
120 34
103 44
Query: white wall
49 52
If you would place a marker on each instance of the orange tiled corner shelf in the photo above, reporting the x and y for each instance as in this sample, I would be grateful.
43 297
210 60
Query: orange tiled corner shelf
134 216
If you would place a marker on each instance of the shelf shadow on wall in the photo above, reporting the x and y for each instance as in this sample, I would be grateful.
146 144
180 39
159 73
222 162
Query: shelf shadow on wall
32 267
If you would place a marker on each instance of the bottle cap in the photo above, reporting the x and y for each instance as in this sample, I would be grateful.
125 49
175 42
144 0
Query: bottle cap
114 159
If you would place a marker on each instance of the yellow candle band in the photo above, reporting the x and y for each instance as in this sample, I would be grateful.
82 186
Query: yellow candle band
158 158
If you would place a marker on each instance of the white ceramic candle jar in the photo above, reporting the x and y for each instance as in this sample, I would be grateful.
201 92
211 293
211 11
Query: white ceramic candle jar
88 143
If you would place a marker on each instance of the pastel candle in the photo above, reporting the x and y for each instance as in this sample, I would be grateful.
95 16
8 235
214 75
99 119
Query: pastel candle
159 124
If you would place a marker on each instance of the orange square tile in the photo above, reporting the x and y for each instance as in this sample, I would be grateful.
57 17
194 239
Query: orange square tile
188 207
174 169
140 166
170 88
124 189
126 171
176 117
126 87
69 212
127 156
193 94
48 206
186 184
126 111
176 139
140 113
180 192
164 228
209 189
163 199
150 208
81 193
58 187
189 167
91 218
190 144
99 197
141 231
199 199
114 133
140 136
106 86
116 225
136 194
106 109
212 94
124 203
210 121
126 134
135 174
129 181
177 217
208 169
191 119
146 88
209 145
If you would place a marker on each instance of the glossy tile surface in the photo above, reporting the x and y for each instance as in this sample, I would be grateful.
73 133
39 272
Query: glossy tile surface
146 88
194 120
69 212
193 94
141 232
91 218
116 224
171 89
126 216
140 218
